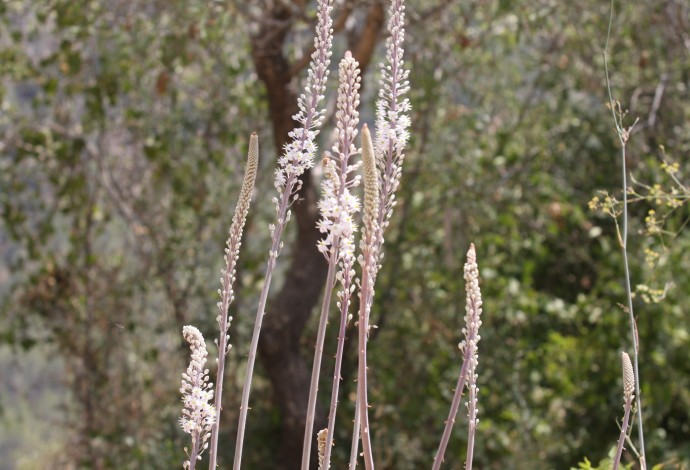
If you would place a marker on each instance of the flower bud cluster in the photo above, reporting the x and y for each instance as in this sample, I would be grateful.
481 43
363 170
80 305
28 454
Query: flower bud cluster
628 378
371 185
198 415
473 311
321 447
232 250
369 243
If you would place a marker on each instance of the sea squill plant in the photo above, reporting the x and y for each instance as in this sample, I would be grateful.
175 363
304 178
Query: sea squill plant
392 119
338 207
628 398
232 252
382 170
201 419
382 159
369 267
298 157
469 346
198 415
392 122
470 360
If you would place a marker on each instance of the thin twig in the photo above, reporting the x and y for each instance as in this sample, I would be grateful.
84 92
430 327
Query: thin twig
316 367
623 136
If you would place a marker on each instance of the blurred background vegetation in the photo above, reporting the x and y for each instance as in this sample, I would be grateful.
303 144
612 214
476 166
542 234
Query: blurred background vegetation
123 132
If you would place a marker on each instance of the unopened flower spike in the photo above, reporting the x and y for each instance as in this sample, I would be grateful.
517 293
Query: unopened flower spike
232 252
628 377
628 398
470 361
371 183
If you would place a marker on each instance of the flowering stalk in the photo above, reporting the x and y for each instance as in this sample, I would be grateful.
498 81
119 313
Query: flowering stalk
232 252
628 397
297 159
391 139
473 311
469 346
198 416
391 121
369 267
391 124
346 131
337 208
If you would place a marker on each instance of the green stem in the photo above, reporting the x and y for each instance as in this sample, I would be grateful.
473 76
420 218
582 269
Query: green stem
623 136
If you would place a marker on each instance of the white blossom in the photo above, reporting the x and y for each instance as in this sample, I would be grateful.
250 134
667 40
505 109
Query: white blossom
338 205
198 416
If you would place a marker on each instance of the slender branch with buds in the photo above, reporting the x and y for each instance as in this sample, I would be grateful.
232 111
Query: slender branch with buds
473 311
628 398
232 252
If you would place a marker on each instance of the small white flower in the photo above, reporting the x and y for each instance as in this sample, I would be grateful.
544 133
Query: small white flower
188 425
198 415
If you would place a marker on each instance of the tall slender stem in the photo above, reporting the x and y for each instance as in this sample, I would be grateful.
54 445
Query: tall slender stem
472 429
455 405
369 266
621 438
253 348
194 455
633 325
354 450
623 136
316 367
226 291
336 374
362 370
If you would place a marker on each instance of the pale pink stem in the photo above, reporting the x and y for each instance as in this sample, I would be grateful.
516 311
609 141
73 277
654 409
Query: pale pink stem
336 373
354 450
624 429
455 405
362 369
316 368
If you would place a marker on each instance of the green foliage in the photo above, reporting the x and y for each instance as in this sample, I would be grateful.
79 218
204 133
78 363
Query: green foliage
119 154
607 463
